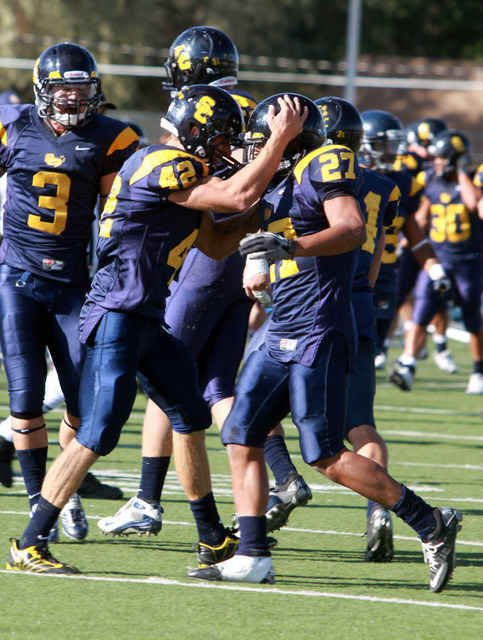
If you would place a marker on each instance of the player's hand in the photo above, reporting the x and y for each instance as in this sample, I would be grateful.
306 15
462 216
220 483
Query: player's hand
288 122
443 287
464 164
256 280
267 245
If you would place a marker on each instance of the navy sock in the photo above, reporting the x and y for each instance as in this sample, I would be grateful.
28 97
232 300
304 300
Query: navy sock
153 475
210 527
33 463
253 536
41 522
278 458
478 366
415 512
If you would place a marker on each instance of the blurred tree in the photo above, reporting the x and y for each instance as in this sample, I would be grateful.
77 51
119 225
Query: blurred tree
140 32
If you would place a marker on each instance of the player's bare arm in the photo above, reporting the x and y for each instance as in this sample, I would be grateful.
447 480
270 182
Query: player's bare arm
347 230
219 238
243 189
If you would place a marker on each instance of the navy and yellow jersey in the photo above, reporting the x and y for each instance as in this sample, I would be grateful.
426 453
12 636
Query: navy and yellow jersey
52 189
143 236
245 100
411 191
381 200
454 232
478 178
411 162
311 296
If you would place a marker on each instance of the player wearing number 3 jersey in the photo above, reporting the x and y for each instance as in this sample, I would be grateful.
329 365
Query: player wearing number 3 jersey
59 156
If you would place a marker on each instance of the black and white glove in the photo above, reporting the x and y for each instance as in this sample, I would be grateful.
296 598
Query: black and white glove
443 288
267 245
464 164
441 283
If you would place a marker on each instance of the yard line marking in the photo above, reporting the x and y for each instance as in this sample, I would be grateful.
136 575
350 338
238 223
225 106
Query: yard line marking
422 410
248 589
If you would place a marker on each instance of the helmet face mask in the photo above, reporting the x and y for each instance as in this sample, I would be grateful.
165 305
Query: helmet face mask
450 145
201 55
205 118
383 141
67 85
312 136
342 122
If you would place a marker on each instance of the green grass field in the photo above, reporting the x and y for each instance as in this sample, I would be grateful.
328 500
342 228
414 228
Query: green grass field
136 587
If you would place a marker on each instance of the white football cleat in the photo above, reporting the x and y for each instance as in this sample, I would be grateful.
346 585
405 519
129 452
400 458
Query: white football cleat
136 516
475 384
258 570
445 361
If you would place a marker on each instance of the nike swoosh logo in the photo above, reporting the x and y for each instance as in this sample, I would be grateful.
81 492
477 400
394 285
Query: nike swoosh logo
78 148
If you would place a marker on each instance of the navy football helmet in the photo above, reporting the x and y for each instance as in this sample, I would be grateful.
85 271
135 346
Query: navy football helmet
422 132
383 139
343 122
201 55
451 145
216 115
66 64
311 137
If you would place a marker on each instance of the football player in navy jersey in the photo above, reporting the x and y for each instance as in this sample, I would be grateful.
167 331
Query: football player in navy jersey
449 210
312 231
419 136
382 143
157 209
207 310
380 197
59 156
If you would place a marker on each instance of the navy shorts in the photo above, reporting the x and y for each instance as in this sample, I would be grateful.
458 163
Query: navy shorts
466 278
208 311
36 314
362 386
125 347
316 396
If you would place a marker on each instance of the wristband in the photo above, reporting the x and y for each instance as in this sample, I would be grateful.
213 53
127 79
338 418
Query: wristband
419 244
436 272
254 266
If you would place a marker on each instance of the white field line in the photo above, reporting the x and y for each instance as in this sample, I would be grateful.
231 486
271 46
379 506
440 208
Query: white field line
254 589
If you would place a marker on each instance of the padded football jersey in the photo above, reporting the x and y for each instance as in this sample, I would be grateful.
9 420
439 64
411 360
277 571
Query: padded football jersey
311 295
454 232
143 236
52 189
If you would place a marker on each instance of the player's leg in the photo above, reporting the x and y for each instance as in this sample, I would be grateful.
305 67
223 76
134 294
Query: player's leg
361 433
261 401
24 329
169 376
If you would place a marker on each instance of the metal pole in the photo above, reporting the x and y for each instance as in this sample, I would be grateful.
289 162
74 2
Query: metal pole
352 49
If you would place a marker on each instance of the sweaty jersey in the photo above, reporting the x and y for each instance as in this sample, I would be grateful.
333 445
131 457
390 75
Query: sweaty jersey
381 199
311 296
143 236
52 189
454 232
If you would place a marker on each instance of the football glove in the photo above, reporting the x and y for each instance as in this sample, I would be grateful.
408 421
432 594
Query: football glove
464 164
443 287
267 245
